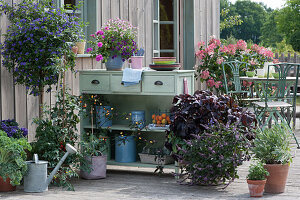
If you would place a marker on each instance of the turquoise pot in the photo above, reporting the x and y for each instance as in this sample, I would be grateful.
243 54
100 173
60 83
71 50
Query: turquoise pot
114 64
125 149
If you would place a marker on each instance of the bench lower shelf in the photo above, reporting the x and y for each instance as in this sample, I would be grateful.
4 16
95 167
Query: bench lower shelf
139 164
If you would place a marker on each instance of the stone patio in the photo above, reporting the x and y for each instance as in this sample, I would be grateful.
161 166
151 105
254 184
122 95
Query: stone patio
143 184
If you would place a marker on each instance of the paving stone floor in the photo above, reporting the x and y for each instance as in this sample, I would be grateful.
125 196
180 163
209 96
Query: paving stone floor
138 185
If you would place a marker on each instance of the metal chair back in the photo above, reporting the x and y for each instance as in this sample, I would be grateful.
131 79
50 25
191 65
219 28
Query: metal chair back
235 70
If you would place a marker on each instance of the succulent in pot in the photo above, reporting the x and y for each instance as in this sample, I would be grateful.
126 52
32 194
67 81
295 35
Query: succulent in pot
256 179
272 147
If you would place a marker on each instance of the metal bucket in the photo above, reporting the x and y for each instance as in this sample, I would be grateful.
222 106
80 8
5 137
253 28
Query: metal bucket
36 177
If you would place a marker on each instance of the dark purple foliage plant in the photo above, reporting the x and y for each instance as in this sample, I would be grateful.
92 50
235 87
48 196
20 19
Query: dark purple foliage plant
210 136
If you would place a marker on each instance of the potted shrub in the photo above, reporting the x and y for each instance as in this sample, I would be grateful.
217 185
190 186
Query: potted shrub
94 150
210 136
256 179
38 39
12 160
114 43
272 147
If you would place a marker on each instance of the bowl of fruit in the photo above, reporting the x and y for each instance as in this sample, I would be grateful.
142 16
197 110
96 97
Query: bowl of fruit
160 121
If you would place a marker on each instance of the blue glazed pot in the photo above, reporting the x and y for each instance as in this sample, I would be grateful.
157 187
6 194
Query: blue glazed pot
102 119
114 64
138 118
125 149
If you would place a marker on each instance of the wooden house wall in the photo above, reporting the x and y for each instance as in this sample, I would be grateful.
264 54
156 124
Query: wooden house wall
16 104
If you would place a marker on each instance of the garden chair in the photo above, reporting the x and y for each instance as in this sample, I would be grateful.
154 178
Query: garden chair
279 103
243 95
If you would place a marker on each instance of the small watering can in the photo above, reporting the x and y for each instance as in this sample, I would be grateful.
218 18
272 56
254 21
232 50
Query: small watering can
36 178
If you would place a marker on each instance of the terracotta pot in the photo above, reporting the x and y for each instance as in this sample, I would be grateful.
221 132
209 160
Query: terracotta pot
277 179
256 187
5 186
75 49
81 47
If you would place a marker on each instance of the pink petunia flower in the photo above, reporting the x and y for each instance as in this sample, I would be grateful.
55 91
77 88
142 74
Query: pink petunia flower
89 49
99 57
100 44
92 35
99 32
106 28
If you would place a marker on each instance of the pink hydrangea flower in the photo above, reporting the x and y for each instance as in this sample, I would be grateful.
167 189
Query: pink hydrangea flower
218 84
100 44
204 74
210 83
89 49
242 45
201 44
99 57
220 60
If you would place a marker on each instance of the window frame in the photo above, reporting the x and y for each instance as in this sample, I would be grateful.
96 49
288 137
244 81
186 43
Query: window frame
156 30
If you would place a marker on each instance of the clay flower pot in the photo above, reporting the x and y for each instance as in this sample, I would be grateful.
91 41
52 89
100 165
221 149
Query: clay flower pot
256 187
5 186
75 49
277 179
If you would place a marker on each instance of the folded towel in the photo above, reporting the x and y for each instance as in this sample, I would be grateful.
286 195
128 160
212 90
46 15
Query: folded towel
131 76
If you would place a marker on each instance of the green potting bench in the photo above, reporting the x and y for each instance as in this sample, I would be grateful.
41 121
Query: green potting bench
155 92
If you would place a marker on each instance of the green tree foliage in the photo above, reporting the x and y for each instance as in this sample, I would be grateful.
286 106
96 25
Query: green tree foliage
253 16
288 20
227 20
270 34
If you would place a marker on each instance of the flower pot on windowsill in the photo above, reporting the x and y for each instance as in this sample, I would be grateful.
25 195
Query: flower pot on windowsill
81 47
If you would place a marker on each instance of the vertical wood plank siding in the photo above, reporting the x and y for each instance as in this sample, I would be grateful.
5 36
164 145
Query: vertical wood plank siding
15 103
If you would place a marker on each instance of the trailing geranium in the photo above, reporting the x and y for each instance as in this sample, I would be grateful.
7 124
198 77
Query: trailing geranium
36 42
116 37
211 59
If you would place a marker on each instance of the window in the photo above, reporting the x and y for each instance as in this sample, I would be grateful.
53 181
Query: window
165 27
69 6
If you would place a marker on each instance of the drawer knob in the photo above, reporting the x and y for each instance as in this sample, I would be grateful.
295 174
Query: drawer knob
95 82
158 83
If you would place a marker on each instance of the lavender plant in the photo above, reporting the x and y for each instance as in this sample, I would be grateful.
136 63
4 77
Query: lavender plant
116 37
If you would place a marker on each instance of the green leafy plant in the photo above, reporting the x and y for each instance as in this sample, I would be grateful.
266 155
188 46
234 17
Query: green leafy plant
54 132
92 145
13 157
257 172
116 37
272 145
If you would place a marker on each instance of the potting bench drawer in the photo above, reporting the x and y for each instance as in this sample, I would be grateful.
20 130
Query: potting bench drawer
158 84
94 82
118 87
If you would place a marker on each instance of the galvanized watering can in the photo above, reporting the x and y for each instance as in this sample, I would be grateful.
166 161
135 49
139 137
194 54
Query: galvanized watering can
36 178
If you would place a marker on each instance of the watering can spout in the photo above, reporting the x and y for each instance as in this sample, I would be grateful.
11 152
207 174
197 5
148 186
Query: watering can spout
70 150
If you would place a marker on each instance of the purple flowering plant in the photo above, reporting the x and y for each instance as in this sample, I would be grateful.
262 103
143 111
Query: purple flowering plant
210 135
37 42
116 37
12 129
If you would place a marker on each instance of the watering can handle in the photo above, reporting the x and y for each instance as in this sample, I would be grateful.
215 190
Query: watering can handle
35 158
